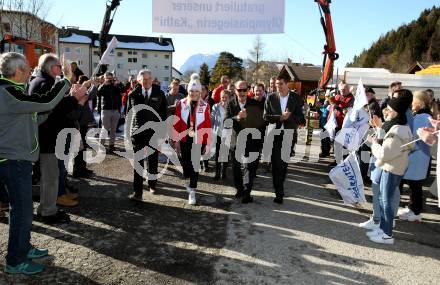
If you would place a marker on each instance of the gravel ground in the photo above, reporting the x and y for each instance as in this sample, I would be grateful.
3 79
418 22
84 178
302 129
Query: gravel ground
311 239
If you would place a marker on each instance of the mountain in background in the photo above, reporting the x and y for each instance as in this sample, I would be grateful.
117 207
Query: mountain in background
193 62
399 49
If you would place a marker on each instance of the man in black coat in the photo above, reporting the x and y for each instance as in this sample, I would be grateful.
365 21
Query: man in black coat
48 69
237 110
284 109
145 93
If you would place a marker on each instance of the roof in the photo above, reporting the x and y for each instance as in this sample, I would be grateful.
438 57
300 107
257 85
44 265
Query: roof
30 15
177 71
421 65
125 41
431 70
303 72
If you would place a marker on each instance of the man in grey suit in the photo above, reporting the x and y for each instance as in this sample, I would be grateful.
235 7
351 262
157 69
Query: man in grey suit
283 108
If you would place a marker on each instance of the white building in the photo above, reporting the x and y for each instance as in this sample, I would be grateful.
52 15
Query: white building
132 54
28 26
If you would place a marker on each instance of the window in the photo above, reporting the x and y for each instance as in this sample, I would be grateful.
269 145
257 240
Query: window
144 55
166 79
38 51
95 52
130 52
78 50
135 59
144 66
6 27
135 52
155 66
120 54
167 67
155 55
67 49
95 65
132 59
80 63
119 66
167 56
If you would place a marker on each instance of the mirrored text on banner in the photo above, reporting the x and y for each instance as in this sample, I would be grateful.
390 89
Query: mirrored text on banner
218 16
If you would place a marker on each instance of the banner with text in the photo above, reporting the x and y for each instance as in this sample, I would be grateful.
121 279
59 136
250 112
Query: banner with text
218 16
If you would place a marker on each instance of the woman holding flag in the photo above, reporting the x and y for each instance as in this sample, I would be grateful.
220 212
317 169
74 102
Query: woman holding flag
393 160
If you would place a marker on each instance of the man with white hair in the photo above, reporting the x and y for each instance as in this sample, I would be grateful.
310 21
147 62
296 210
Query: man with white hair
18 149
145 94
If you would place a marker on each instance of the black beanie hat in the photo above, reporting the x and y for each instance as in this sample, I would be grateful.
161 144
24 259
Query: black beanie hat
400 105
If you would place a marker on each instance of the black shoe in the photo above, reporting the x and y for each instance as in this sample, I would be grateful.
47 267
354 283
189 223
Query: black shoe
60 217
278 200
324 154
82 173
239 194
247 199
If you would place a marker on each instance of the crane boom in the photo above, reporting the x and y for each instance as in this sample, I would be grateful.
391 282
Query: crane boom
107 22
329 52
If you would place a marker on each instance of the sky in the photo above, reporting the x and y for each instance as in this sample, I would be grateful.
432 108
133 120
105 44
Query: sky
357 24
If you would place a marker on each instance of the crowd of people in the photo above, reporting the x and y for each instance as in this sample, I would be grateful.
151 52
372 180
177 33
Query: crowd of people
35 109
396 121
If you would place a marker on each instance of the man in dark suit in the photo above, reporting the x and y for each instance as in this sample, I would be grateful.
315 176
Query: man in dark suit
237 110
145 93
283 108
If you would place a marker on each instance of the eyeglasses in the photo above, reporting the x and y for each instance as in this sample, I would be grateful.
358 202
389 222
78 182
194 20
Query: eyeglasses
242 90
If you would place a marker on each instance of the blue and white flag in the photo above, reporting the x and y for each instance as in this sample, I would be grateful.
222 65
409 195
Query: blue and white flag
347 178
108 57
353 131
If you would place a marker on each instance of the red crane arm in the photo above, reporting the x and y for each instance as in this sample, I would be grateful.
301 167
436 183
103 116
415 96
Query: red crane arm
329 52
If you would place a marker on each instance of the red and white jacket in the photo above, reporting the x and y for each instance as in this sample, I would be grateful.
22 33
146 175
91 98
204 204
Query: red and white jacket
202 122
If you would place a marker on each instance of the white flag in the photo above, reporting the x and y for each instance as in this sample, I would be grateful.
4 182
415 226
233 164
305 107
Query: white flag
360 100
348 180
109 55
331 125
353 131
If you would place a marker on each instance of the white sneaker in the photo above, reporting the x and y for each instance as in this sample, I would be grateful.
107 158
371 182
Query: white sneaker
188 189
402 211
192 197
411 217
369 225
383 238
375 232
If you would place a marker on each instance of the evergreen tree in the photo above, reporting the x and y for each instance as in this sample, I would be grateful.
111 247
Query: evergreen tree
205 78
227 64
399 49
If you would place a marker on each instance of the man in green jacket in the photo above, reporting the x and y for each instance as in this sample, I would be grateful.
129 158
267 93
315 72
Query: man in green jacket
18 149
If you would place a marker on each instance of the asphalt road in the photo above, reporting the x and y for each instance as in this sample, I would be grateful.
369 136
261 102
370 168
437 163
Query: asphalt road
311 239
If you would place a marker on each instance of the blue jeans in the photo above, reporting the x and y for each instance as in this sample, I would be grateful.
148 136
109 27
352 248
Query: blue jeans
389 185
62 178
17 176
375 176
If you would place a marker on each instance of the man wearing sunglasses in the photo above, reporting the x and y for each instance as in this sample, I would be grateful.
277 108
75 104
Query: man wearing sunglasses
284 109
237 110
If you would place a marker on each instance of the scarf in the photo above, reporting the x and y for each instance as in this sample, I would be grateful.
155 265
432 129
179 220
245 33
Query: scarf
398 120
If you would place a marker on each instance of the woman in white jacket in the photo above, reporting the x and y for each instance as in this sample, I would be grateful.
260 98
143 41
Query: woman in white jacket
393 160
